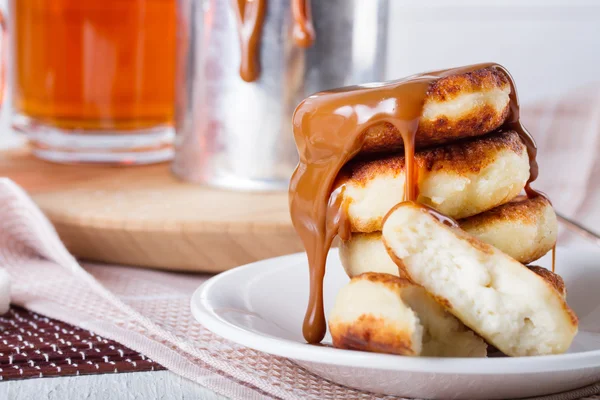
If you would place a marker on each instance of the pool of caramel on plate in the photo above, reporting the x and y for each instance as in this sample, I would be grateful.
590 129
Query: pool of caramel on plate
328 129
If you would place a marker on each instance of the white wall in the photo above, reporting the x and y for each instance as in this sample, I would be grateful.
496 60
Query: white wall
549 46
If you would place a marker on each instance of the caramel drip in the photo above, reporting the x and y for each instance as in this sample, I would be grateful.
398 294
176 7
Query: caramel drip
411 183
303 30
336 224
250 15
514 123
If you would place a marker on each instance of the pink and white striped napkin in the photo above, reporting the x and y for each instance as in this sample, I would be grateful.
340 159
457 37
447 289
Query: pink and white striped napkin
145 310
567 132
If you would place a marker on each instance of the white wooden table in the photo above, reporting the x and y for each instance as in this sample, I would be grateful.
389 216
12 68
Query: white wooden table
125 386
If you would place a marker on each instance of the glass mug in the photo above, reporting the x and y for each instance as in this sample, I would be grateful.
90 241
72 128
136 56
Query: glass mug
93 80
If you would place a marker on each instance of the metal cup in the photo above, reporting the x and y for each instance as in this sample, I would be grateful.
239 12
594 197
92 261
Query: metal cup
238 135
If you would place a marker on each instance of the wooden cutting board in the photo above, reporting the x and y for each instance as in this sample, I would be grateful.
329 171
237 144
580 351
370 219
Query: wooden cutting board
143 216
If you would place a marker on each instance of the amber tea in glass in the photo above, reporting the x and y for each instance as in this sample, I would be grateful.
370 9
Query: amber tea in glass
93 80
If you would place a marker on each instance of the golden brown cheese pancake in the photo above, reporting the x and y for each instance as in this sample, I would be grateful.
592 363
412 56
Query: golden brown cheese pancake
386 314
458 106
509 305
525 229
459 179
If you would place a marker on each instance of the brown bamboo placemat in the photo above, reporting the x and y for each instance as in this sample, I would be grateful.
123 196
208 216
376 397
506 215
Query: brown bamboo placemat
34 346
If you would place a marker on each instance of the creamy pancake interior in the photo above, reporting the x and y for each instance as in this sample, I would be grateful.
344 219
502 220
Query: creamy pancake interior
514 308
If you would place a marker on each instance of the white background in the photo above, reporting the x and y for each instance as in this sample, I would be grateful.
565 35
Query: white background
549 46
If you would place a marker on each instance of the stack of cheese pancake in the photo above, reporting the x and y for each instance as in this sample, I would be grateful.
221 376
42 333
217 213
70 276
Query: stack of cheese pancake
437 236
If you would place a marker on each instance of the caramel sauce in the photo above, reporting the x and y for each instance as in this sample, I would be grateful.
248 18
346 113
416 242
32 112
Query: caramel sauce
328 129
444 219
514 122
250 15
303 30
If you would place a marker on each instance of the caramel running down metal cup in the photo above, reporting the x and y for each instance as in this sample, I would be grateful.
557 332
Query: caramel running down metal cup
236 134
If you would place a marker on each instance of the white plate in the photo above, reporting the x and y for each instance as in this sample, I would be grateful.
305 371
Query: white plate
261 305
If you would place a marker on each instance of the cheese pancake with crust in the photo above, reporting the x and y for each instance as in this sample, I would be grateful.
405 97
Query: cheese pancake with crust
386 314
456 107
512 307
525 229
460 179
555 280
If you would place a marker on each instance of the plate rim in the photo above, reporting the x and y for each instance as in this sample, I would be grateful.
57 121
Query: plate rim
205 315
